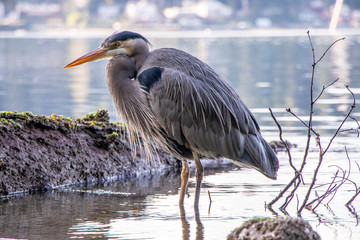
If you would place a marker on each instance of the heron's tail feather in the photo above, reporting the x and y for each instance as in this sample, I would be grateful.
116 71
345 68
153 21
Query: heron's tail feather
259 155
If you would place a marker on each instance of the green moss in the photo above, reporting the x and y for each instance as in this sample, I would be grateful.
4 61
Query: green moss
4 121
100 116
14 115
97 120
15 124
258 219
110 138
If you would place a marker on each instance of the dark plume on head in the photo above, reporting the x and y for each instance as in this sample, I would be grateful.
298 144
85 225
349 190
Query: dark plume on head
123 36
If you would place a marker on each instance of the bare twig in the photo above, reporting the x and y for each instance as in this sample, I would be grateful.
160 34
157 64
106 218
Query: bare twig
283 141
357 189
319 199
297 173
209 197
311 112
210 202
284 190
357 122
340 39
312 102
325 87
353 211
353 197
323 152
300 120
344 120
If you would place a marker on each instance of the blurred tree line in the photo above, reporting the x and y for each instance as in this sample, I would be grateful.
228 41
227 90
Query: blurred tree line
280 13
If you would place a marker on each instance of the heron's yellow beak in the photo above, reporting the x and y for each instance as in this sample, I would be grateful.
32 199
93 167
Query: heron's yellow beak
97 54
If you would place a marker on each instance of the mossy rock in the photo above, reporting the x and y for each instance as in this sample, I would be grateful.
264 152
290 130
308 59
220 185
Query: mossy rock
100 116
280 228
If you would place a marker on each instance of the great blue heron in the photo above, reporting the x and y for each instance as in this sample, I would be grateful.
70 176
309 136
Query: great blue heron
174 99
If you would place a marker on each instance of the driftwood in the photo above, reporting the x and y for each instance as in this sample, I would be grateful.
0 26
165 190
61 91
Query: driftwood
45 152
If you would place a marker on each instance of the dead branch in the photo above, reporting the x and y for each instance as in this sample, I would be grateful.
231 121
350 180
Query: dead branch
323 89
323 152
287 147
340 39
300 120
295 182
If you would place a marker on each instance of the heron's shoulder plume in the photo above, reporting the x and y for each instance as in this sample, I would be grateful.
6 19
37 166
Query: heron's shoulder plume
150 76
123 36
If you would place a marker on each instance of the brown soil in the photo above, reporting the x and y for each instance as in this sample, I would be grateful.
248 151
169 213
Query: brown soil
43 152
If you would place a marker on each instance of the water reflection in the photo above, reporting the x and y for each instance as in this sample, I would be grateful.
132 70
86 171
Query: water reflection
186 225
80 78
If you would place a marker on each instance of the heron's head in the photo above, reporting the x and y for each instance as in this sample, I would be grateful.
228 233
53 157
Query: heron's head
119 43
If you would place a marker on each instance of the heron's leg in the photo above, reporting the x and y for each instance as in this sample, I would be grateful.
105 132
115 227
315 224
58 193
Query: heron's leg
199 178
184 181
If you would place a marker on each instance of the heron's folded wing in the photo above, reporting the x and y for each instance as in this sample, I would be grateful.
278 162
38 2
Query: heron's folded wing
195 114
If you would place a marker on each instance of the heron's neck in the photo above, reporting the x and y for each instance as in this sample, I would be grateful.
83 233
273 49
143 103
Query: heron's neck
125 92
140 60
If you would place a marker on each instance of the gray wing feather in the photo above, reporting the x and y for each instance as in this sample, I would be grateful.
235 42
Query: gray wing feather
191 112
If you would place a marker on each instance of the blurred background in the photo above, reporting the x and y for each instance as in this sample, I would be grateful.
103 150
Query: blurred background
174 14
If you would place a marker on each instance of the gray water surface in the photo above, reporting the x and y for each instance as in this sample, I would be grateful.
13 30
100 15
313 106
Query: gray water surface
265 71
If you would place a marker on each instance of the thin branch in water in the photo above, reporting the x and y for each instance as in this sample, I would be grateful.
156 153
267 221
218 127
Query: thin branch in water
344 120
295 182
320 198
353 211
353 197
345 177
291 194
340 39
321 152
325 87
210 202
298 118
312 48
284 190
297 173
287 200
358 128
357 189
282 140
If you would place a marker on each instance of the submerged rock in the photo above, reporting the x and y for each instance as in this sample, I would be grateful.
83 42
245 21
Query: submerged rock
42 152
274 229
279 146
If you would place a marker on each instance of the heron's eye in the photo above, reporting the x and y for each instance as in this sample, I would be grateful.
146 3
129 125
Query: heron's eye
116 44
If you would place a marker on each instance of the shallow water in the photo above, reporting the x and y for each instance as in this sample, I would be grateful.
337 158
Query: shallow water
275 68
146 207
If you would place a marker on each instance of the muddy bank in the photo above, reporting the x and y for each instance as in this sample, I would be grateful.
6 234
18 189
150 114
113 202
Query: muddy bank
43 152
